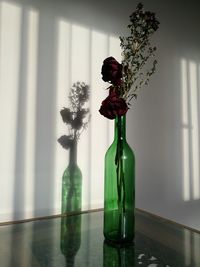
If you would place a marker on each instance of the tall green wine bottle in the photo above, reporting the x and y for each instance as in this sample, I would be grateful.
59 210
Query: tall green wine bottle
119 187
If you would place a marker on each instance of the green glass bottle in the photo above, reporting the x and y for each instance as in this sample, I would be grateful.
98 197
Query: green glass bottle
119 187
72 183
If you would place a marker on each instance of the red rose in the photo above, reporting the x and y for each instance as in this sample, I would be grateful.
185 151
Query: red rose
111 71
113 106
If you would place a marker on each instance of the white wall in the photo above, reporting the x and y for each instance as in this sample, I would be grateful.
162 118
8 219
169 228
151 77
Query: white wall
165 120
45 47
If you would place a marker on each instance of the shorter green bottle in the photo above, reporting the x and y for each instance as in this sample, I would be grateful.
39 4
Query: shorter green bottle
72 183
119 188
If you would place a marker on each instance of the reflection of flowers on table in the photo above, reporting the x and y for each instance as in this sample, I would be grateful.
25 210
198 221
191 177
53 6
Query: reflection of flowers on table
147 260
131 255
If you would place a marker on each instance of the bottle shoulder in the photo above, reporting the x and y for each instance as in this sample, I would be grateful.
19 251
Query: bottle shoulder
127 150
72 170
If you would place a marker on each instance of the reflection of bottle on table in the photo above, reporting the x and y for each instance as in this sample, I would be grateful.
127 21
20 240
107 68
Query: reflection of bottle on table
118 256
70 238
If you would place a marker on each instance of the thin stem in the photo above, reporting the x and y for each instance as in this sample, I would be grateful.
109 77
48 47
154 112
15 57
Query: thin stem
120 175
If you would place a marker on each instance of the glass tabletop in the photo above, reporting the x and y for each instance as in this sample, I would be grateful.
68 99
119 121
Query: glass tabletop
78 240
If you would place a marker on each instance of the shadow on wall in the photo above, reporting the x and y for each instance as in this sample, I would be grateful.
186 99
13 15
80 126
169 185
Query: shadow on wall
76 117
41 55
190 103
165 122
168 142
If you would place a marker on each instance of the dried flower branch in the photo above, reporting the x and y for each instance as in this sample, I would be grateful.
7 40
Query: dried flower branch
137 51
138 64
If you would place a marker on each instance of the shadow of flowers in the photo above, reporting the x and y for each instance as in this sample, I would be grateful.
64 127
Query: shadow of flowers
76 117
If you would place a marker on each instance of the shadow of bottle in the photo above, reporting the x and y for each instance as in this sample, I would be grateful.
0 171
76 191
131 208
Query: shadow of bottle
118 255
70 239
72 183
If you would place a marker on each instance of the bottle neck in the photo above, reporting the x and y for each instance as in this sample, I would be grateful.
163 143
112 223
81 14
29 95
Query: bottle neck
120 128
70 260
73 154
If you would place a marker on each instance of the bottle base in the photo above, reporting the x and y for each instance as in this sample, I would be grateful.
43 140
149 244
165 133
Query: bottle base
114 238
119 243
